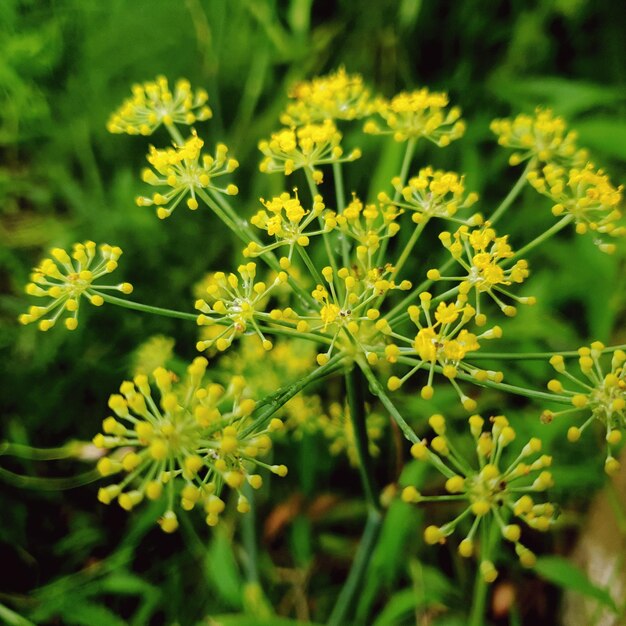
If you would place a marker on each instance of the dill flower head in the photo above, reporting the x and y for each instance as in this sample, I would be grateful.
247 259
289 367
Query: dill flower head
346 310
368 225
63 279
186 171
235 303
587 195
335 96
434 193
492 493
286 220
483 255
420 113
598 393
185 444
441 344
153 104
305 147
542 136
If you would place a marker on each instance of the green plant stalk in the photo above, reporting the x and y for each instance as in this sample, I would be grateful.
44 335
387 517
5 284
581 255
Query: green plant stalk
146 308
341 205
560 225
404 170
248 533
512 195
379 391
22 451
490 538
409 247
356 401
49 484
520 356
359 566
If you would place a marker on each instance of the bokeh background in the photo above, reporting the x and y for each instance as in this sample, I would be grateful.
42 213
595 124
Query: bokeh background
64 66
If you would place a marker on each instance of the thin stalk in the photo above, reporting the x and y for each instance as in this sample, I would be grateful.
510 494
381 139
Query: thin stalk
409 247
379 391
356 401
40 454
325 236
358 569
520 356
404 170
248 532
490 540
175 134
146 308
341 205
512 195
49 484
560 225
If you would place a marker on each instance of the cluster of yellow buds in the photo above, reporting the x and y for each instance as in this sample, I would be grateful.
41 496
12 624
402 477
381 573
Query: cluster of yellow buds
421 113
153 104
434 193
235 303
285 219
65 278
441 343
347 310
367 225
337 96
305 147
187 444
186 171
600 395
492 496
486 256
542 136
586 195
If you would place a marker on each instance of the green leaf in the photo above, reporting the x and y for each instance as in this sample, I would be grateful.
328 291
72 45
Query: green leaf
562 573
11 618
88 614
604 134
249 620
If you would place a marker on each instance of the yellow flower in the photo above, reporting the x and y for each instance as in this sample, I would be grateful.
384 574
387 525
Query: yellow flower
305 147
598 393
285 219
587 195
491 495
442 341
235 304
336 96
417 114
186 171
485 257
368 225
188 442
542 136
434 193
153 104
64 279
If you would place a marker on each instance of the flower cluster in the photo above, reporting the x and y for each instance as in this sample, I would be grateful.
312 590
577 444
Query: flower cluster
434 193
187 172
542 136
420 113
305 147
491 494
234 305
153 104
600 395
586 195
337 96
285 219
64 279
442 343
485 256
186 445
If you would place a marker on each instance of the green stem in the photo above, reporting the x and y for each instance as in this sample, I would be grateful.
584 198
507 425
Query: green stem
325 236
304 255
248 532
512 195
490 538
560 225
175 134
146 308
409 247
520 356
341 205
49 484
287 332
283 395
404 170
40 454
356 401
379 391
358 569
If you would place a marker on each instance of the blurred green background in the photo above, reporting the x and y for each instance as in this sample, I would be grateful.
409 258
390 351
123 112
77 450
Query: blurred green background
64 66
